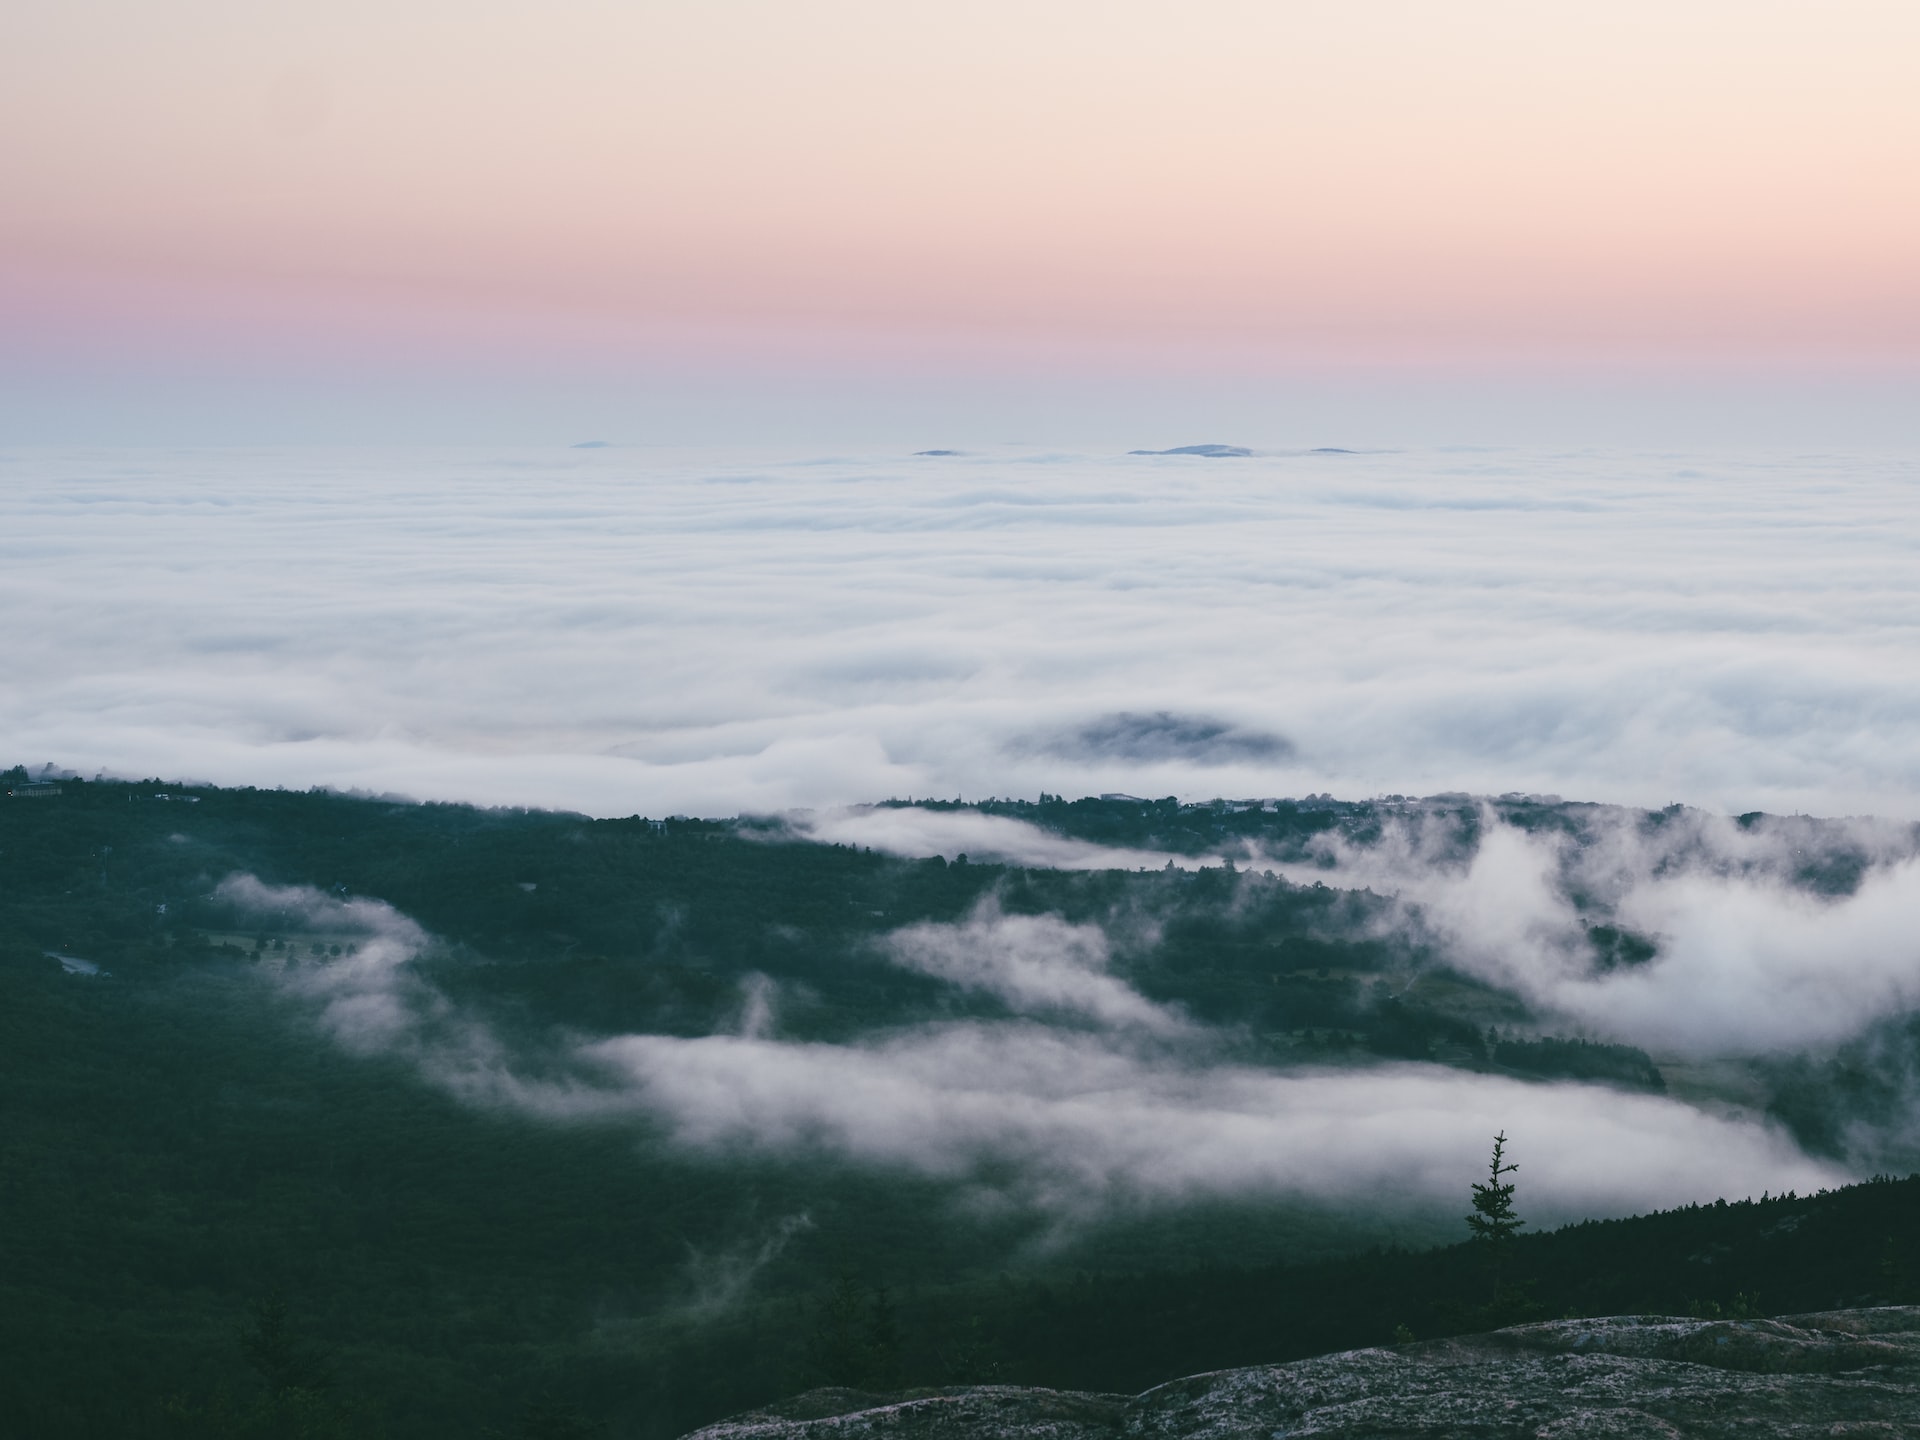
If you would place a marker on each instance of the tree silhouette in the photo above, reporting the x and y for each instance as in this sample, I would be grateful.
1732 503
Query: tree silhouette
268 1343
1493 1222
1493 1218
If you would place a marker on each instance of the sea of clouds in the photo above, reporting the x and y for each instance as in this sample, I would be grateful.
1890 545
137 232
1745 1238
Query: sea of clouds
630 630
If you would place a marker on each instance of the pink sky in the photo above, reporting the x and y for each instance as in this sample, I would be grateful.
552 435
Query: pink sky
1237 185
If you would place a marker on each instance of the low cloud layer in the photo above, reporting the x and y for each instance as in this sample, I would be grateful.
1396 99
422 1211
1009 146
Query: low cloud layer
370 1000
645 630
1136 1110
1081 1124
1751 957
1036 964
915 832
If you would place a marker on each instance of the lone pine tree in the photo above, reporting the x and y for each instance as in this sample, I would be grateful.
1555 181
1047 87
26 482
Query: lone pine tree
1493 1222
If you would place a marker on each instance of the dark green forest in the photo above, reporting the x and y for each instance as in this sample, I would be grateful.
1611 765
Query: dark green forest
213 1220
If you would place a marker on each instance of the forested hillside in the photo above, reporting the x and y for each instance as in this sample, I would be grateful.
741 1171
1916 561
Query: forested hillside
182 1150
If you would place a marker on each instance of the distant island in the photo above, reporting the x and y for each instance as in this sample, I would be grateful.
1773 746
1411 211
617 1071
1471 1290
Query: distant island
1212 452
938 452
593 445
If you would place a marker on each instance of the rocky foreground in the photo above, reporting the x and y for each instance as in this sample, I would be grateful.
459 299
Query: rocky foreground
1837 1373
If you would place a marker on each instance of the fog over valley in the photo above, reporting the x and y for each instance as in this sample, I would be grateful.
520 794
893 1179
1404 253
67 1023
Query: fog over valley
1323 1003
1119 1102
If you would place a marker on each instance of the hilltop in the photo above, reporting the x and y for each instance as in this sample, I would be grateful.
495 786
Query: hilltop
1631 1377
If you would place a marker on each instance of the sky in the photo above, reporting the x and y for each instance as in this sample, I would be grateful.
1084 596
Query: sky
500 221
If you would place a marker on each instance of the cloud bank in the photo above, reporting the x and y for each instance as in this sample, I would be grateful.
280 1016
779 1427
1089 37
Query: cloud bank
1131 1108
1072 1125
915 832
1037 964
1750 957
1767 939
663 631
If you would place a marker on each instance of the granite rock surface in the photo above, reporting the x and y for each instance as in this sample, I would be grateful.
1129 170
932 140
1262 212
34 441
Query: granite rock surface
1849 1373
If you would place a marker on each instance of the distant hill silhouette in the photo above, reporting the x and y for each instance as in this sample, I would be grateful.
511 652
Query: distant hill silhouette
1212 452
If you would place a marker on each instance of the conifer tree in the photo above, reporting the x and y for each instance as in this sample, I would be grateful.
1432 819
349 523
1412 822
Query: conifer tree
273 1353
1493 1219
1493 1222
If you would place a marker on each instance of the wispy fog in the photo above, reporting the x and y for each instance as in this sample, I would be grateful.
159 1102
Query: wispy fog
626 630
914 831
1129 1107
1752 954
1037 964
371 1001
1074 1124
717 1279
1773 937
